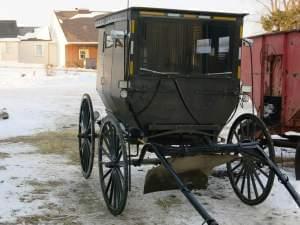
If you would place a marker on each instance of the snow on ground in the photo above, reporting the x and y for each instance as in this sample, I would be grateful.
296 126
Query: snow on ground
36 102
38 188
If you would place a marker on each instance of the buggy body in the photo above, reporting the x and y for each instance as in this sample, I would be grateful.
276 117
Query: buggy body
179 69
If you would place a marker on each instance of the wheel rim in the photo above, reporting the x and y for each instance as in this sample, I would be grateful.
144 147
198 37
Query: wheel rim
86 136
113 167
251 179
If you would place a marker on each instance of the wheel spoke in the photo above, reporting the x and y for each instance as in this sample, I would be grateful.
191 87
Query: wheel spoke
120 174
237 166
263 172
112 188
254 184
106 141
106 174
239 175
258 179
236 135
248 185
243 181
108 184
119 190
115 192
105 152
83 156
111 143
119 156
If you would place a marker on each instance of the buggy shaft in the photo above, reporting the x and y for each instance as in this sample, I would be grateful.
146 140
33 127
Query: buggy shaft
282 177
183 188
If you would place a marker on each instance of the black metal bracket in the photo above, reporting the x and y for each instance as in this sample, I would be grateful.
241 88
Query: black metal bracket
250 149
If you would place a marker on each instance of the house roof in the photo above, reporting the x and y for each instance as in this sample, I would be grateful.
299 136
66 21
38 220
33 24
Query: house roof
38 34
24 30
8 29
79 25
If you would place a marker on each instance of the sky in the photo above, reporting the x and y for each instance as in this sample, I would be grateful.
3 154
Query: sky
39 12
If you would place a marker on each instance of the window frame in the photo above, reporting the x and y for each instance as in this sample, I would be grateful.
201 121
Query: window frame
38 50
86 53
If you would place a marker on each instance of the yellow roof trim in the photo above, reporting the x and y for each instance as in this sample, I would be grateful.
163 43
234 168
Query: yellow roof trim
189 16
224 18
132 26
146 13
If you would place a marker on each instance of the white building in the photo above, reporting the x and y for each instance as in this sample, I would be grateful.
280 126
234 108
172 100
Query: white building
26 44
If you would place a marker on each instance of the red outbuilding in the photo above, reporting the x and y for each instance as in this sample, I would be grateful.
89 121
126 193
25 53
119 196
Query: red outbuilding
276 76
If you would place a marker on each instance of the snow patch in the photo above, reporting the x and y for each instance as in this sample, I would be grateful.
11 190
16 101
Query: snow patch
87 15
41 33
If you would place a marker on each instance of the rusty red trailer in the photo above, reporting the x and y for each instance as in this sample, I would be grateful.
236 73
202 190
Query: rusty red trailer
276 75
275 72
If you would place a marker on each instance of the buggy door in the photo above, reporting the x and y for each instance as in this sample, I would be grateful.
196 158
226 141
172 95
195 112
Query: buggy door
107 59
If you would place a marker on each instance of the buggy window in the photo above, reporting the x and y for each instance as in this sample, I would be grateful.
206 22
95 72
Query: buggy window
108 41
198 47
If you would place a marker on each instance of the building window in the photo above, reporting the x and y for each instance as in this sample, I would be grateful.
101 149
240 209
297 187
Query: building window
83 53
39 51
7 49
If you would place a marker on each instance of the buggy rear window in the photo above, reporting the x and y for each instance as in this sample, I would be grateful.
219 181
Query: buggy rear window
186 47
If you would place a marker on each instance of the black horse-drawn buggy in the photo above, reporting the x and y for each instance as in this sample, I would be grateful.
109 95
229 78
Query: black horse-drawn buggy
170 82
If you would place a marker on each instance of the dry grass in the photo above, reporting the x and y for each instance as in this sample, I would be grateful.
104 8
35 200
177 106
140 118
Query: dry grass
167 202
53 142
4 155
47 219
40 191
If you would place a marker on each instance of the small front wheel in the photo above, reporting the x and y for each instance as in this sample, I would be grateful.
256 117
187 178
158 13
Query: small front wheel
250 177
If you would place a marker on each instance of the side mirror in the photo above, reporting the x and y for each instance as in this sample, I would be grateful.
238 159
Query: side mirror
248 42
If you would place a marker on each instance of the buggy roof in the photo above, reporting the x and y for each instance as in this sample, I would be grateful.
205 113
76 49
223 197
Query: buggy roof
124 14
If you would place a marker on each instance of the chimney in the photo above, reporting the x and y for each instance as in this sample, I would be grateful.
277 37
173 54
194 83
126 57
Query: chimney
82 11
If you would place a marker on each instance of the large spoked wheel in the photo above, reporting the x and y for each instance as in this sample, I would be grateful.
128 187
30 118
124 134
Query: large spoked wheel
250 177
86 136
113 165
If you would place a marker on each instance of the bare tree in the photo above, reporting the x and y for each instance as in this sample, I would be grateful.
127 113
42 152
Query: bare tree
282 15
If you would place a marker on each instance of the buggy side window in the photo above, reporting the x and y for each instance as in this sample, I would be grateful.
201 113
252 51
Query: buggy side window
203 46
107 41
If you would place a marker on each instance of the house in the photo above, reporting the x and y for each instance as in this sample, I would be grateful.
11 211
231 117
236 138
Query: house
37 47
76 37
26 44
9 42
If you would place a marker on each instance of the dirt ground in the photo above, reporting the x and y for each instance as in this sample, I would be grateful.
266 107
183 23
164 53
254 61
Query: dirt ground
41 181
45 186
